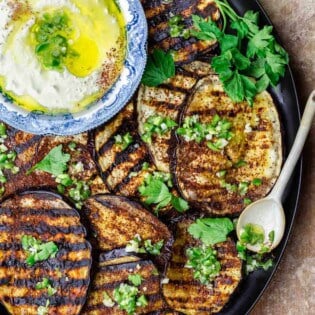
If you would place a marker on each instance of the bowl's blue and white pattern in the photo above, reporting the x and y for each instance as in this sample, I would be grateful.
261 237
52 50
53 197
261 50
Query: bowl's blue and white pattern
110 104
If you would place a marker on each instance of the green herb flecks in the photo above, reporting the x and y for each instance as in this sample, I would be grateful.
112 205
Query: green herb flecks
160 67
156 126
177 27
52 33
217 132
135 279
252 234
156 190
128 299
211 230
7 159
46 284
137 245
250 60
253 261
204 263
37 250
124 141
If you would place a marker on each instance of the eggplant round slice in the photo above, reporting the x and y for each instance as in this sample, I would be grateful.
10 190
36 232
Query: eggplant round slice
110 278
45 259
230 154
187 295
115 221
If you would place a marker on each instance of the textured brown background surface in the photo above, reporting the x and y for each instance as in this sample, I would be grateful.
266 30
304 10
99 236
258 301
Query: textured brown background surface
292 290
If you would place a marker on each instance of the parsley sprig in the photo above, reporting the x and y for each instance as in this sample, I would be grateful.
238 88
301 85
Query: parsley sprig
250 59
156 190
160 67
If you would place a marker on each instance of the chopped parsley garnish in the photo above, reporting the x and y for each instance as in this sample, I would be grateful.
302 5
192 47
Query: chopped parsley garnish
138 246
123 141
203 260
128 299
177 27
257 181
211 230
51 34
250 59
156 190
7 159
241 188
160 67
135 279
253 261
46 284
240 163
217 132
157 125
37 250
247 201
252 234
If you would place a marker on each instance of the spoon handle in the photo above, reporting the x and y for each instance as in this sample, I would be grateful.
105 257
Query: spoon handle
287 170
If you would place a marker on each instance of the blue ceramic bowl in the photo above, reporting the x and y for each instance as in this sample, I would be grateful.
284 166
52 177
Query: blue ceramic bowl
110 104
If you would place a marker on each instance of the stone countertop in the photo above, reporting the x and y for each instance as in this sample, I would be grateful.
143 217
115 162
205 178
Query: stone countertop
291 291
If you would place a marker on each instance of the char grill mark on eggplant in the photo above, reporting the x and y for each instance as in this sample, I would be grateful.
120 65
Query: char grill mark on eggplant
159 13
183 293
68 272
256 141
121 169
109 277
116 220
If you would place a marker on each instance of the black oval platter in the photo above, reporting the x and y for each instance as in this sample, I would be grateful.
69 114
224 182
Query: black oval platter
252 287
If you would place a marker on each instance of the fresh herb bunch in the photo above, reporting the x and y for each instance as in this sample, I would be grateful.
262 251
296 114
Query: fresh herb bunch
250 60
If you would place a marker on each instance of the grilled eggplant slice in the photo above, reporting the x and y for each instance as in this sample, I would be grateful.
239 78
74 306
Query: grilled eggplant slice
30 149
108 278
185 294
122 169
158 14
47 218
116 220
251 161
167 101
